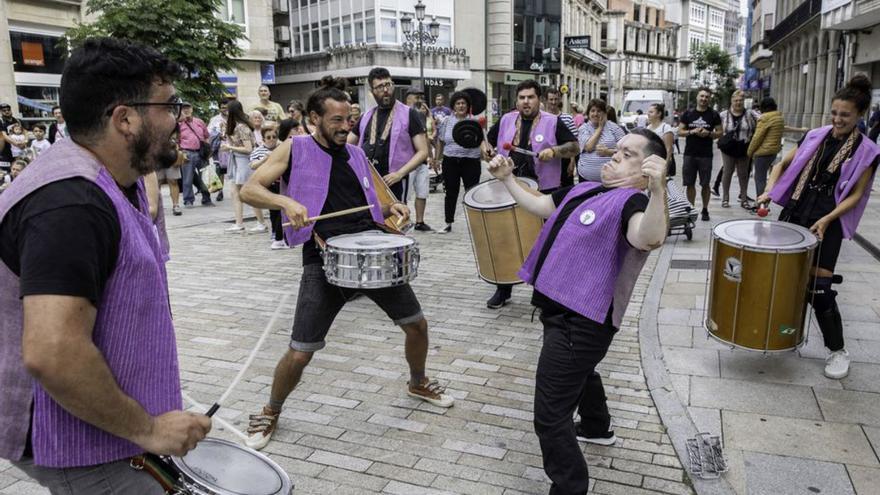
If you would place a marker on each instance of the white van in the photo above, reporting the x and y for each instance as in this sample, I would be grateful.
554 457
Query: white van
642 99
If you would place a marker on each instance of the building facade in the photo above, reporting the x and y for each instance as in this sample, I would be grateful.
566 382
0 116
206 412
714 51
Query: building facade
733 33
642 48
584 66
702 22
763 18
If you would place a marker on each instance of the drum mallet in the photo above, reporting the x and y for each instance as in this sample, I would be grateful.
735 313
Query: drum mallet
250 359
335 214
763 211
516 149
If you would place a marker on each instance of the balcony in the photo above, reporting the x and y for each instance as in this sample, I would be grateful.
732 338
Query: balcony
805 13
851 15
638 82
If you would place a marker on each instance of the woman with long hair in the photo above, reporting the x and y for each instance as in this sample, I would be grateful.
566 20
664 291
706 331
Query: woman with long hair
598 138
824 184
656 112
459 164
240 142
737 127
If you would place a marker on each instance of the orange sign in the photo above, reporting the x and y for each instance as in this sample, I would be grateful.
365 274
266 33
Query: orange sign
32 53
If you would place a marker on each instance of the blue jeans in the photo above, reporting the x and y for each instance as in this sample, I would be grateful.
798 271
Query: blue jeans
191 175
112 478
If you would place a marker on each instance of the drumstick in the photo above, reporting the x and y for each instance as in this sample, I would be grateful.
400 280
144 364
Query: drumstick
517 149
250 358
223 423
335 214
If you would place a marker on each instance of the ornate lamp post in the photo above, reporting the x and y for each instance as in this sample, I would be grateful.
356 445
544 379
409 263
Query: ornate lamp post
420 35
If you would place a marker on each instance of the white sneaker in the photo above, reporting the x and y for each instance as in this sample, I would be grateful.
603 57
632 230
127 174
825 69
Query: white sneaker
278 245
259 229
235 229
837 365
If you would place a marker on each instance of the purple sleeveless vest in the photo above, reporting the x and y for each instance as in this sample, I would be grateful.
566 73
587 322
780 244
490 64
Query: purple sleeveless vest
401 148
850 172
582 267
310 180
133 329
549 173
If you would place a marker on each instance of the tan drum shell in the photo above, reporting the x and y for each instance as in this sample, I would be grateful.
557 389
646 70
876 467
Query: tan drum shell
766 309
502 238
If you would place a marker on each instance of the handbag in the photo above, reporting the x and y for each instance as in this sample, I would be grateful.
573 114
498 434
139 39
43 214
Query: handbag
730 145
211 179
204 146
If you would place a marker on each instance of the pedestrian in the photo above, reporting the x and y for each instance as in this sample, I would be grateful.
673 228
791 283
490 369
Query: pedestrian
737 127
641 118
257 159
355 116
193 135
257 121
440 111
57 129
766 143
88 361
216 136
578 115
598 139
391 134
18 166
17 140
172 176
700 127
528 128
458 164
39 144
824 184
419 179
240 142
583 268
666 132
324 175
554 107
273 111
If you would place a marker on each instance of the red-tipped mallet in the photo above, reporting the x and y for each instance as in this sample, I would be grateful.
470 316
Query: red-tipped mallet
516 149
763 211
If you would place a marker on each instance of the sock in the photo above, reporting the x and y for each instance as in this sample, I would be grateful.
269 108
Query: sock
276 405
415 377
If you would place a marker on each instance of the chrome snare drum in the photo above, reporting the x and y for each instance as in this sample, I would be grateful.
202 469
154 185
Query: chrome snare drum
371 260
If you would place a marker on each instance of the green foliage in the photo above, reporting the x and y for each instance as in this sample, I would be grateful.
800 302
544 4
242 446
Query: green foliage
717 70
186 31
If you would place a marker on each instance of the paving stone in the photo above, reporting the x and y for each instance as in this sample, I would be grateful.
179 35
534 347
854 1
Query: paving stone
863 377
24 488
865 481
706 419
687 361
340 461
475 448
772 475
818 440
398 488
849 407
775 368
402 424
762 398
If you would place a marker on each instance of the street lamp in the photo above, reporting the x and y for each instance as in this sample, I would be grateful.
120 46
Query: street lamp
420 35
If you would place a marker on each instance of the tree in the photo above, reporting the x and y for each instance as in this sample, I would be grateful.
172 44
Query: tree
187 31
717 70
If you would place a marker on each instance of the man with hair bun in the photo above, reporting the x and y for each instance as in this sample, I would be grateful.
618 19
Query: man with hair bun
824 185
323 174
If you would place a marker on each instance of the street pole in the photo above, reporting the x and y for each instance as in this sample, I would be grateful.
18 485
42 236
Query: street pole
421 58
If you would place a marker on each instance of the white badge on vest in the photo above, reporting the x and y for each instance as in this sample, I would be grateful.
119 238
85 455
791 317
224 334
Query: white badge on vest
366 183
588 217
539 138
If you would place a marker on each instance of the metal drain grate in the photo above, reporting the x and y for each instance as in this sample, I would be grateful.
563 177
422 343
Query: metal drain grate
705 456
689 264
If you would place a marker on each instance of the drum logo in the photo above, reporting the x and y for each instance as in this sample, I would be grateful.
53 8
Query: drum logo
733 269
786 330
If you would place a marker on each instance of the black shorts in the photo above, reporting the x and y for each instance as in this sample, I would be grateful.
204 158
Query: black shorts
694 166
319 302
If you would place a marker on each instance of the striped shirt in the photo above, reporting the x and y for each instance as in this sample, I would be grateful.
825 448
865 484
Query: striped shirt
590 164
450 147
259 153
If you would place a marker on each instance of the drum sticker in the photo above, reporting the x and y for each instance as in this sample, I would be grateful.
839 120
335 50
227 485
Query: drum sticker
787 330
366 183
733 269
588 217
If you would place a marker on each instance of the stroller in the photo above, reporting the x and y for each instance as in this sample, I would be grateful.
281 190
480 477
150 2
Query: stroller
682 213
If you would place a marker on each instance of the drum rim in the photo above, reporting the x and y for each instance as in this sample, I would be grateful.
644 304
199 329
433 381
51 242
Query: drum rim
709 333
410 242
286 483
747 247
468 196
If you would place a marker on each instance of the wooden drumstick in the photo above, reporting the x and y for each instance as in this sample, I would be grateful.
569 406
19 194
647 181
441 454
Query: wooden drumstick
335 214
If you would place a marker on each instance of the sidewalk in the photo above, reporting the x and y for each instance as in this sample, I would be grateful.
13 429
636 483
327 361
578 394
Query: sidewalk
786 428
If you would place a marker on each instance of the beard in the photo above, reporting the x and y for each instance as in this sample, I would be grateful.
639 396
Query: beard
330 136
145 158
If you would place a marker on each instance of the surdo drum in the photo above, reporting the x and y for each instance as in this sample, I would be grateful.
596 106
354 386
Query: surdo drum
370 260
759 277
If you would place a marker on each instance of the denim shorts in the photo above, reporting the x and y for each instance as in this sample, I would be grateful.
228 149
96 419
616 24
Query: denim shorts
319 302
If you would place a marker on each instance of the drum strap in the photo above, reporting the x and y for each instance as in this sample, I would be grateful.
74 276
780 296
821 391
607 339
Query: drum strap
166 475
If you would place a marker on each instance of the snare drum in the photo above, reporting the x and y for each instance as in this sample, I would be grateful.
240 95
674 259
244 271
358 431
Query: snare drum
760 271
502 233
371 260
217 467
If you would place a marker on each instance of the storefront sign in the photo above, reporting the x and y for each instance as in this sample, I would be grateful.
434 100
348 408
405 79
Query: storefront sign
32 54
514 78
578 42
267 73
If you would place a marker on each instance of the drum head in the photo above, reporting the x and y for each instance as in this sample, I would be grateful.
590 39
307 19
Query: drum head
493 194
231 469
369 240
765 235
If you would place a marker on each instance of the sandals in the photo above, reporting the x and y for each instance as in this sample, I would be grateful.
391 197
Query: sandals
725 204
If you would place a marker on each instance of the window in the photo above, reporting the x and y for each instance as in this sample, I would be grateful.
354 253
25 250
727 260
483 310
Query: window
370 21
714 39
695 41
768 22
359 28
233 11
346 34
698 13
445 38
297 43
716 19
389 27
637 13
519 28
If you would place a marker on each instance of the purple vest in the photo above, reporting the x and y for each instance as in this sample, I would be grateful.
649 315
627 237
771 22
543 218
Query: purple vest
401 147
850 172
549 173
310 180
582 270
133 329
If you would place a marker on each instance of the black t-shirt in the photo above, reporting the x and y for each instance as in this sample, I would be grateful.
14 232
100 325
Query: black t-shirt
693 119
635 204
378 153
524 165
6 149
63 239
344 192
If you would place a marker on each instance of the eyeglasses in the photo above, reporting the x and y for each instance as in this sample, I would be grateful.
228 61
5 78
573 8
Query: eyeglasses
270 136
386 86
175 106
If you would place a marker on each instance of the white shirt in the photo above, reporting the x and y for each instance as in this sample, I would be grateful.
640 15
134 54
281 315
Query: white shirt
38 147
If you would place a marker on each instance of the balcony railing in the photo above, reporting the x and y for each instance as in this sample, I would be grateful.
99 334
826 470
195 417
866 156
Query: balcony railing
801 15
637 82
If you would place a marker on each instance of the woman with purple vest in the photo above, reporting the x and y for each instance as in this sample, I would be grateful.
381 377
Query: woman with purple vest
583 267
824 184
322 174
88 359
530 129
391 134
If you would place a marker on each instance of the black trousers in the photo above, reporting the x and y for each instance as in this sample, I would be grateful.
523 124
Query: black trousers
275 216
565 380
455 171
